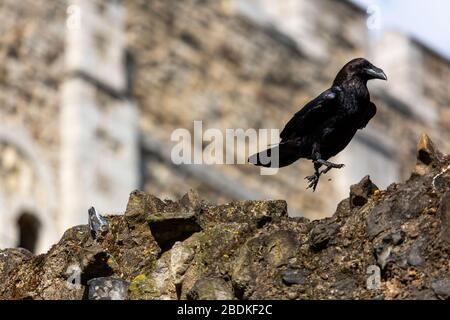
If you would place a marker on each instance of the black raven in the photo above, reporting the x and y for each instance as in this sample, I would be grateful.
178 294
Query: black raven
326 125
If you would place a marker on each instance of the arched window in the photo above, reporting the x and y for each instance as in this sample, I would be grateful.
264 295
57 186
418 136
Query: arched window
28 226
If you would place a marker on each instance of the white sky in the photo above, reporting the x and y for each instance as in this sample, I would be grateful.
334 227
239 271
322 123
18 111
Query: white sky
427 20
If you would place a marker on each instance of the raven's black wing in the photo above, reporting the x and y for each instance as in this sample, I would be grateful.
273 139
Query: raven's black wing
369 113
312 115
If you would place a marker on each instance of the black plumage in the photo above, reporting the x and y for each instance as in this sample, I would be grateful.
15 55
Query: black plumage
326 125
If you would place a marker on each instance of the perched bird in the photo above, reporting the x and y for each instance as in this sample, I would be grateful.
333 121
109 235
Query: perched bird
326 125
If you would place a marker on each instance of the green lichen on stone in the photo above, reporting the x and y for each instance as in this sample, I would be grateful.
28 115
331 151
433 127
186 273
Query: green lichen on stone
142 287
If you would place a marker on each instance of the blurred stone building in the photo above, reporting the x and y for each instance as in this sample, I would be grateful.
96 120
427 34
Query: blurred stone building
90 92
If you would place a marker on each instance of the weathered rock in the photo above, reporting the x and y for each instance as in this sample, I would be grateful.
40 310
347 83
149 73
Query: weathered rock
322 234
441 288
252 250
345 285
429 159
267 251
441 181
360 193
211 289
427 154
143 288
173 229
9 260
294 276
173 221
383 254
405 202
137 207
97 224
256 213
181 257
395 238
385 251
415 255
426 151
107 289
444 214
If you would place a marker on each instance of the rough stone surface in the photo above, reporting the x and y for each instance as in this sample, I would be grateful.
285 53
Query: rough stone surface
442 288
444 212
360 193
107 289
211 289
225 68
252 250
294 276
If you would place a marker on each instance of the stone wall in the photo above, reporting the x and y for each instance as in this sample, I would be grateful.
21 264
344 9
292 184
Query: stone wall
326 30
235 66
68 135
98 123
32 53
200 60
415 99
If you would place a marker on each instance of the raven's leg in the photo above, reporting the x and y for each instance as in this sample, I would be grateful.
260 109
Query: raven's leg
333 165
317 159
318 162
329 165
314 179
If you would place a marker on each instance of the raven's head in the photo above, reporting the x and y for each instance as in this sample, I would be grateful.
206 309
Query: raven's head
359 68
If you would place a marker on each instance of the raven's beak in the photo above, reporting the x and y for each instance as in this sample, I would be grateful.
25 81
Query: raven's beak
376 73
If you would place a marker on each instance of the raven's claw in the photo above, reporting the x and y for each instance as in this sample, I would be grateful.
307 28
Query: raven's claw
330 166
313 181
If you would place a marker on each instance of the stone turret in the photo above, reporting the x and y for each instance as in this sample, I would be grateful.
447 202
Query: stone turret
98 120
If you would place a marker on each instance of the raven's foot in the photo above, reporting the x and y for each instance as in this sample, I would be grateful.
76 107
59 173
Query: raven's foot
313 180
329 165
328 169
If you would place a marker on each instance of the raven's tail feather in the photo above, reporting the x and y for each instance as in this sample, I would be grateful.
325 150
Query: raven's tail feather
278 156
